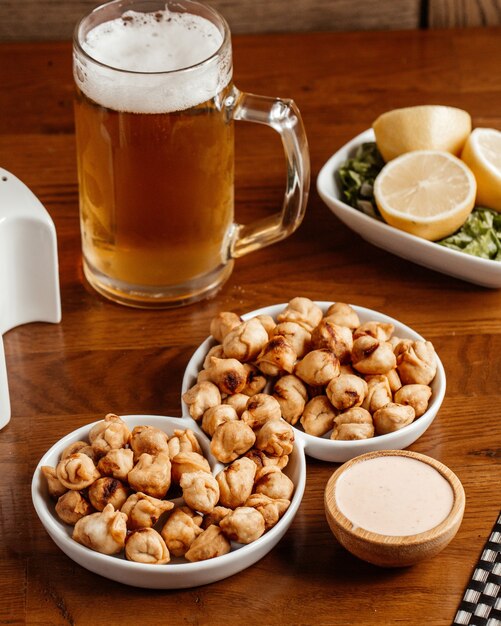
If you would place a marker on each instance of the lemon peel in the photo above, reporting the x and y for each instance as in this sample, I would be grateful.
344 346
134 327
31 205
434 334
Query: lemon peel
482 154
428 193
424 127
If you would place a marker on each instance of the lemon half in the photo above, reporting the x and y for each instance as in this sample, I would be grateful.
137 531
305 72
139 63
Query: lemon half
425 127
428 193
482 153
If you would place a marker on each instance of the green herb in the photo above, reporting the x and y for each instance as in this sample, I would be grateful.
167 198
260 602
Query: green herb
479 236
357 178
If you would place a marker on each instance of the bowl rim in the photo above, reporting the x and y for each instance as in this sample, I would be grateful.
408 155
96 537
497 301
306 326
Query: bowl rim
336 516
325 444
55 531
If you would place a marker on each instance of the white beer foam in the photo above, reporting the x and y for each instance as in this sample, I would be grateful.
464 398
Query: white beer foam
140 52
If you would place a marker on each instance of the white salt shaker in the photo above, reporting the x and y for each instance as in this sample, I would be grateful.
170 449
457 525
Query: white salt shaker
29 279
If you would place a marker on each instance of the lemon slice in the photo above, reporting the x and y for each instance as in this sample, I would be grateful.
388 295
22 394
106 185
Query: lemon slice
428 193
482 153
426 127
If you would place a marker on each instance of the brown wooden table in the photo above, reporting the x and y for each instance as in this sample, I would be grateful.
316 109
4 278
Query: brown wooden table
103 357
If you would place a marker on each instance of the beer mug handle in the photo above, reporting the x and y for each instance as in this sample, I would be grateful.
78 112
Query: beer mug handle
284 117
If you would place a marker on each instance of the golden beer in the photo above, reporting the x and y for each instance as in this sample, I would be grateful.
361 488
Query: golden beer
156 192
154 118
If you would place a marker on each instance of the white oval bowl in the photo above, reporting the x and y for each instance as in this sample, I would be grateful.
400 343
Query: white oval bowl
473 269
174 575
324 448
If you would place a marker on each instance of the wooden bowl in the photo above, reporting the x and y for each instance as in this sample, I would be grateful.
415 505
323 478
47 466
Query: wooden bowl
391 550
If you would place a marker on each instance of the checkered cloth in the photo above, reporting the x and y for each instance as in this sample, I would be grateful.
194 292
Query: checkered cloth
481 604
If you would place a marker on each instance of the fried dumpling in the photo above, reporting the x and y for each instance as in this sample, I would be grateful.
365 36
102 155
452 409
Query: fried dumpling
271 509
379 330
107 490
276 438
261 459
394 380
151 474
144 511
185 462
337 339
179 532
238 401
318 367
303 311
216 415
196 517
72 506
318 416
201 397
352 424
54 485
200 491
274 483
292 395
256 381
79 446
229 375
378 393
346 391
399 344
295 335
215 516
277 357
417 363
223 323
109 434
145 545
208 545
232 439
392 417
245 341
417 396
268 322
103 531
216 351
116 463
236 482
244 525
148 439
77 471
183 441
371 356
343 314
261 408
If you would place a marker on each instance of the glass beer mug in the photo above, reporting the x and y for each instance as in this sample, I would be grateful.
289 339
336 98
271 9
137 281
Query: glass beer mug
154 114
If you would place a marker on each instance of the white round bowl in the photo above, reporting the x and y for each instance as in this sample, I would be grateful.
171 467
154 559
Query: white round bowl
176 574
324 448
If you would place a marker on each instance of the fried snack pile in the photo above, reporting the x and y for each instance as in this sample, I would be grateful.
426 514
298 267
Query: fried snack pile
117 488
331 373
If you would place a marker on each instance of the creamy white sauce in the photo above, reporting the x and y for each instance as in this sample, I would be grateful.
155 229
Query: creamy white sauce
394 495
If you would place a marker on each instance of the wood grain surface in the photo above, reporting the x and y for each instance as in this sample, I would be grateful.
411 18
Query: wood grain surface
31 20
103 357
455 13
